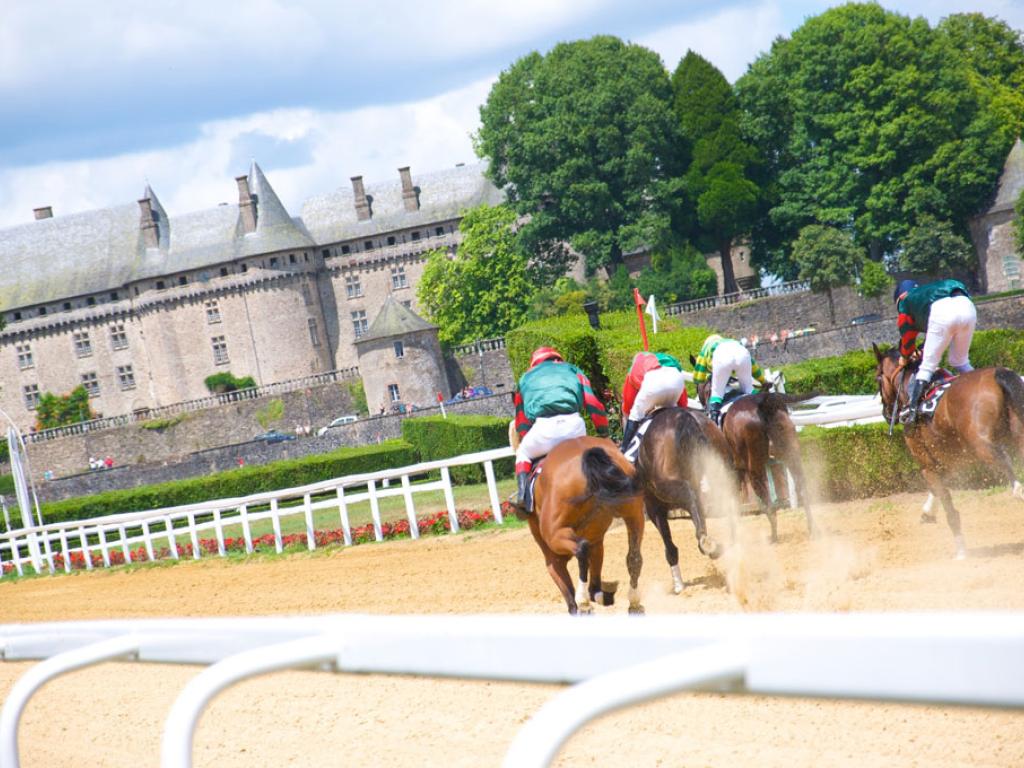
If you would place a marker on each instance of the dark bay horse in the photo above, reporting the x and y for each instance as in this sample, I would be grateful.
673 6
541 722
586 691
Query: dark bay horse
755 427
672 458
584 484
979 418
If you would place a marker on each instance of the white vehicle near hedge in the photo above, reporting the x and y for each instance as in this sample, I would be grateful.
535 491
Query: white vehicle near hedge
337 423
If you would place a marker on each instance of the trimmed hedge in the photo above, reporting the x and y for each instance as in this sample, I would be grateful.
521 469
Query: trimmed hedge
854 372
236 482
436 437
6 485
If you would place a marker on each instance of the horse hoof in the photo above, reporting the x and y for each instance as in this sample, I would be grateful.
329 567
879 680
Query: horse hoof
637 610
927 518
709 547
677 588
584 610
960 555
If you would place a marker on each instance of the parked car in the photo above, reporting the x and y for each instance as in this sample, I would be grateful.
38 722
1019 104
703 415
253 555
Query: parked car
468 393
273 436
874 317
337 423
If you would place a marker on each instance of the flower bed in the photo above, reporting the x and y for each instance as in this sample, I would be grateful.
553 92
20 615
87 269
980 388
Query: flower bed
435 523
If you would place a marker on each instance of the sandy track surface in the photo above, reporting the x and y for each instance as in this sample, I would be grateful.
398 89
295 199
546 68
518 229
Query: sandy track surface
876 557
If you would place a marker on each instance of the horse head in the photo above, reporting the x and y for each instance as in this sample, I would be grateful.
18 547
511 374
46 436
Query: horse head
891 376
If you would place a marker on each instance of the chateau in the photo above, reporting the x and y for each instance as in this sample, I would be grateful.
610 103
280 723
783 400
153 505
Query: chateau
139 306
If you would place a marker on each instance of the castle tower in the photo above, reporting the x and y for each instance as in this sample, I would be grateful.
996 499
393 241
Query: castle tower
999 263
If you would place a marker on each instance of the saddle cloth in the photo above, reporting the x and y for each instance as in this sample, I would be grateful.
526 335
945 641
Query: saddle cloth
936 389
531 479
634 446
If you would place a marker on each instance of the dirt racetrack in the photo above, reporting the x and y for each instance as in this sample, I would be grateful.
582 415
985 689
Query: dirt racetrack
876 557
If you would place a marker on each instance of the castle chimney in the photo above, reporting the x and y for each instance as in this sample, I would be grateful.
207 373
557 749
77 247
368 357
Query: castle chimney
147 224
46 212
246 205
410 196
363 211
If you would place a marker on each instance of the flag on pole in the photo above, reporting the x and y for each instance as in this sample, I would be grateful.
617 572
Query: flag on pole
440 402
639 301
653 312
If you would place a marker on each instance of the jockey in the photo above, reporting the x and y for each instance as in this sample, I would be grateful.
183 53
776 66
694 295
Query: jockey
944 312
548 401
654 380
719 359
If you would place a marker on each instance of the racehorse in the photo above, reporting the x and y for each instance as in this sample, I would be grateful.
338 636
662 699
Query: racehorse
754 426
583 484
978 418
670 463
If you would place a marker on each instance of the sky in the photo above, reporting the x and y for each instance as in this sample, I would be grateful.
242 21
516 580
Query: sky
99 99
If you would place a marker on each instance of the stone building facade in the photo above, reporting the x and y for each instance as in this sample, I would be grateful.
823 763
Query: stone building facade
140 307
999 262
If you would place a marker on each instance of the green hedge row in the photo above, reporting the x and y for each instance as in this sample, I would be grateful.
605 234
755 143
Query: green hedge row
6 485
236 482
436 437
854 372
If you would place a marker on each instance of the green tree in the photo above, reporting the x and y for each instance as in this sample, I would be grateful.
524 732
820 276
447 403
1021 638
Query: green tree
483 291
679 273
584 141
61 410
869 120
718 182
874 280
932 247
827 257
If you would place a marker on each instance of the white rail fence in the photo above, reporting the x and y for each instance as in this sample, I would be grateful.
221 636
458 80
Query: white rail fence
961 659
143 535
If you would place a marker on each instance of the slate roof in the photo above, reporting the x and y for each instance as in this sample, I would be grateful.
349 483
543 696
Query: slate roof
1011 181
444 195
98 251
394 319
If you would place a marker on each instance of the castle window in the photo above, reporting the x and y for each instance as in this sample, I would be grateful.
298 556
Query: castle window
291 258
399 349
182 280
352 287
325 253
391 239
16 316
126 377
67 306
31 395
359 324
398 279
346 249
160 285
245 267
212 312
91 384
368 245
24 356
415 235
223 271
118 338
114 296
305 257
407 303
83 347
220 350
393 393
42 311
439 231
314 334
91 301
273 261
307 295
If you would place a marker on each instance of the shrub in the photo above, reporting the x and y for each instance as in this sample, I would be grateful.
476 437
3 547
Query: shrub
6 485
60 410
436 437
271 412
236 482
225 381
859 461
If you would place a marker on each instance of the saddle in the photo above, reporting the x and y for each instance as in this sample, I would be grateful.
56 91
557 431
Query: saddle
941 381
634 446
531 481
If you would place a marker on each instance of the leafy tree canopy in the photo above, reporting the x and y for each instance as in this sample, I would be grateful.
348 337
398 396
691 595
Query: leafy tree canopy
483 291
827 257
679 273
874 280
583 139
933 247
61 410
869 120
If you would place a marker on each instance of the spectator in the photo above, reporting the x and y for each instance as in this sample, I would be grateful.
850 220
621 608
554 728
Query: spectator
241 461
108 462
383 408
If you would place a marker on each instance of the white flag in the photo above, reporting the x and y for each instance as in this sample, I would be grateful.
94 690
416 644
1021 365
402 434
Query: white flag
653 312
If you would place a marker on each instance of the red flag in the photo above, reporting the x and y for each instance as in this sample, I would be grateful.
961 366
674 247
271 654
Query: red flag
639 301
440 397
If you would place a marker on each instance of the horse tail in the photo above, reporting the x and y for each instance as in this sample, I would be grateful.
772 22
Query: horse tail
1013 389
690 436
769 405
606 482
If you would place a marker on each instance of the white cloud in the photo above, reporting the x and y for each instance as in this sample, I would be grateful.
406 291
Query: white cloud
730 39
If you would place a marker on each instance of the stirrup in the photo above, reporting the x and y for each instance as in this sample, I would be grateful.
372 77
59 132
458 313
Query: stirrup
908 415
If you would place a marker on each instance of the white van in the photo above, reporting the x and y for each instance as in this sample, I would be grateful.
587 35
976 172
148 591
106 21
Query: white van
337 423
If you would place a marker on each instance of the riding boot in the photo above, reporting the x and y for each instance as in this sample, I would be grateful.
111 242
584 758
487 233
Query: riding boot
523 500
715 412
909 414
628 433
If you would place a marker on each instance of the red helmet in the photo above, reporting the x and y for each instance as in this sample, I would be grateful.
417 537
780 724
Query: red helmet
540 354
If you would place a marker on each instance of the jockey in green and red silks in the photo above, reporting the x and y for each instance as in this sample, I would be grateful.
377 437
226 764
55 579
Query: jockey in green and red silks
943 310
548 402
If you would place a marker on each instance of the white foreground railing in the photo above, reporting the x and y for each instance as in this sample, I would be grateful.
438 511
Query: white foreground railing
965 659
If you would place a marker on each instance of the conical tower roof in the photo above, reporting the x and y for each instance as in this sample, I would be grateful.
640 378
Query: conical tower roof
394 319
1011 181
163 223
270 211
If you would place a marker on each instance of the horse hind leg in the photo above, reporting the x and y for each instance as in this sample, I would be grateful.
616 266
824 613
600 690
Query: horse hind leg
940 490
658 513
582 588
760 483
634 557
705 543
556 565
601 592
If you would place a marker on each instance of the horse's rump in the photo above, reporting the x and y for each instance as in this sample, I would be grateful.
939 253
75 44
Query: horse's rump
1013 391
607 483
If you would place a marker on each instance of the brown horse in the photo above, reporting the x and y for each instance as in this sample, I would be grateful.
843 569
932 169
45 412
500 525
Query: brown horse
583 485
978 419
756 426
671 460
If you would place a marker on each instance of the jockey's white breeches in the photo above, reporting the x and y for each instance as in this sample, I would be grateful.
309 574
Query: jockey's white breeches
661 388
730 359
951 324
547 432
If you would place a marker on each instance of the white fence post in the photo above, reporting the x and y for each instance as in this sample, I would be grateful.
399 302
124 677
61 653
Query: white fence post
492 491
371 490
307 509
65 551
449 499
218 528
275 520
125 549
346 529
103 545
147 538
85 548
243 512
193 535
172 541
410 508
